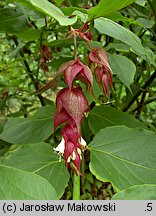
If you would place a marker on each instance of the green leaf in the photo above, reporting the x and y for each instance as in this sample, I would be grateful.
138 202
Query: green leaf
69 10
124 156
26 3
50 9
113 29
106 7
29 130
121 47
21 185
140 2
105 115
82 16
137 192
29 34
118 17
12 20
123 68
39 158
145 22
58 2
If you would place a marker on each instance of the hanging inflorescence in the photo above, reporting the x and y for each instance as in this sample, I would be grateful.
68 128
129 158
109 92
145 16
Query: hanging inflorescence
71 102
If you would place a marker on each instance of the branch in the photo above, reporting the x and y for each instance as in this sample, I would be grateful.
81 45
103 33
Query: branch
142 89
35 83
151 100
33 80
141 104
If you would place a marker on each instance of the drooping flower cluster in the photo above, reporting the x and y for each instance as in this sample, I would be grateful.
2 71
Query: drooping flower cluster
72 104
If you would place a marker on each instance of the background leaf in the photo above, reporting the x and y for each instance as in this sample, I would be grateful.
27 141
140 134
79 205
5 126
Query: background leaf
21 185
146 22
39 158
124 156
50 9
29 34
113 29
12 20
137 192
29 130
105 115
106 7
123 68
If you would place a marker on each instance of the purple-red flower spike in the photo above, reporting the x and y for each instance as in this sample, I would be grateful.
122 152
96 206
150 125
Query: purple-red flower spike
71 105
71 146
98 60
71 132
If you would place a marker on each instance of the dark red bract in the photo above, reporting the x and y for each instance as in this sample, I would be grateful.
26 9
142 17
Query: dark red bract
71 104
75 69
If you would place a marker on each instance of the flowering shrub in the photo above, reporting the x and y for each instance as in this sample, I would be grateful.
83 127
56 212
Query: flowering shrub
71 102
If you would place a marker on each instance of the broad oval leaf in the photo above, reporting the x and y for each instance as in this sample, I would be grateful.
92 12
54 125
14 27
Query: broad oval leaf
21 185
124 156
50 9
106 7
123 68
113 29
29 130
39 158
105 115
137 192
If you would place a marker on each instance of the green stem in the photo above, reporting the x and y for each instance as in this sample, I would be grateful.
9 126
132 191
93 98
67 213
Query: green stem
75 47
76 187
83 173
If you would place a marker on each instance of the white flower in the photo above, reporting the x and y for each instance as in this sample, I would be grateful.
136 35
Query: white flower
82 143
71 157
79 151
60 148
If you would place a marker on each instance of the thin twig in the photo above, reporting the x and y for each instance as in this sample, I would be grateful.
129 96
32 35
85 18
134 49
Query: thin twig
142 89
29 72
141 104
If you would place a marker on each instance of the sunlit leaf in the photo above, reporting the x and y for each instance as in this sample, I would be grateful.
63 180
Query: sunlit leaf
113 29
105 7
50 9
